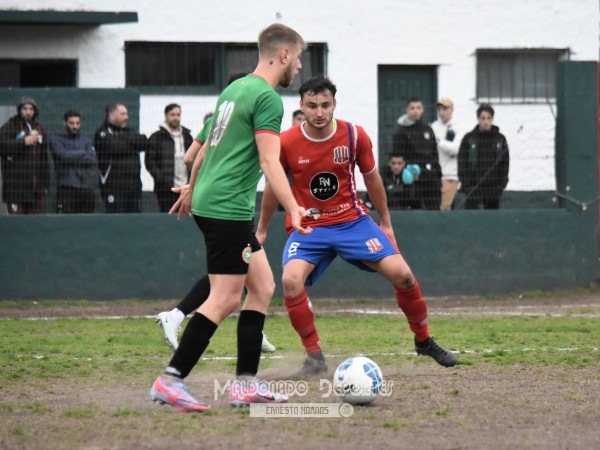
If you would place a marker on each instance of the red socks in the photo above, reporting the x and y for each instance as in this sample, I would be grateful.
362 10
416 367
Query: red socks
303 320
411 302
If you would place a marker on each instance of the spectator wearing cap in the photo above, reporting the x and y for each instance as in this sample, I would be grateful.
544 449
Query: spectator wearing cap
448 135
24 153
415 140
165 157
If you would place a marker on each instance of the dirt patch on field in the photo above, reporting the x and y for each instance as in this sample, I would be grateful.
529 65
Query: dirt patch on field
483 406
477 407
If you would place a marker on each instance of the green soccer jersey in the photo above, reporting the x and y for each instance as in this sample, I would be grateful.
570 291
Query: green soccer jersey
226 185
203 135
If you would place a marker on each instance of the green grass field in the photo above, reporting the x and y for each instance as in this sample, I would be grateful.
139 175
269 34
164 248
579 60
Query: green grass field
101 351
39 358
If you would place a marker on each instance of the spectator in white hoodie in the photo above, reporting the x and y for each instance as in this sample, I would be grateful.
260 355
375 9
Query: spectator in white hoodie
448 134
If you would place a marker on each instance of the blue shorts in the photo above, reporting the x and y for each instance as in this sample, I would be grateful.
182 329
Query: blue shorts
356 241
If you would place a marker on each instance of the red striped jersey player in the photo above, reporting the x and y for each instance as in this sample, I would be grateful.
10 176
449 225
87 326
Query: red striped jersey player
321 155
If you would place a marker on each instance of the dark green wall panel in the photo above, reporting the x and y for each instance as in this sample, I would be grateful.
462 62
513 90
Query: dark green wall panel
154 256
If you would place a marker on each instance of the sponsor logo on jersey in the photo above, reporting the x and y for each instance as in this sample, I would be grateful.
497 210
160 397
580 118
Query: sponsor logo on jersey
373 245
313 213
324 185
302 160
341 155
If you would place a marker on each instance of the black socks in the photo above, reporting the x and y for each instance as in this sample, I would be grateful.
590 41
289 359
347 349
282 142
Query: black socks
195 297
194 341
249 335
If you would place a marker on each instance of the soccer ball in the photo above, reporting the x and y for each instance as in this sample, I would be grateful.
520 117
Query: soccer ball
358 380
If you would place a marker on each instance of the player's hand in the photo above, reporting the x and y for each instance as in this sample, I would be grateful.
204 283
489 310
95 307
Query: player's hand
261 236
389 231
183 205
296 216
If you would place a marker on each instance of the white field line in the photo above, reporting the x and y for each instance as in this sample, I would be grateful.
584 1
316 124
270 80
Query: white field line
369 355
481 311
546 311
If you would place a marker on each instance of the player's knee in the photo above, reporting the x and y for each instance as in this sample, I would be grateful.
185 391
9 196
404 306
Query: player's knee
219 308
404 280
267 289
262 290
292 282
230 307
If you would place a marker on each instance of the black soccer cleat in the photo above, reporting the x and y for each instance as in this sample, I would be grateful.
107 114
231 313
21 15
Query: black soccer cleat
430 348
314 365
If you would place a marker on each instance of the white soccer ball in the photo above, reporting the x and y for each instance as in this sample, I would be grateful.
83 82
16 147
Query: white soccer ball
358 380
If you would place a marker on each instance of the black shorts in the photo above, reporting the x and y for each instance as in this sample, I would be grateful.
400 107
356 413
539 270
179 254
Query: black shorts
228 245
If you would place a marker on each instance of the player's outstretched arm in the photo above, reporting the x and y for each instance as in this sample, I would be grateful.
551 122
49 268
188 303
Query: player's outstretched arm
268 149
377 195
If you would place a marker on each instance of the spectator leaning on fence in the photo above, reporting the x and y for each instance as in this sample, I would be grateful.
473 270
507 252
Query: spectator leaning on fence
483 161
75 164
165 157
118 148
24 155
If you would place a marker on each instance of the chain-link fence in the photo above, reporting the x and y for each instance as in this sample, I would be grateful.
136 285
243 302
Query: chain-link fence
46 171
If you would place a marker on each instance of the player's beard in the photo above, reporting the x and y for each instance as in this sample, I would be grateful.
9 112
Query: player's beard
288 77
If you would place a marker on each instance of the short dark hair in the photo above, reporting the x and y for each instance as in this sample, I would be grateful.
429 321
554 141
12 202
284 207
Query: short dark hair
235 76
318 84
71 113
396 155
170 107
297 113
413 100
485 107
207 116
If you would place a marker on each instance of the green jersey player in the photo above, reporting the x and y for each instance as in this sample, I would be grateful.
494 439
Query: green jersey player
243 144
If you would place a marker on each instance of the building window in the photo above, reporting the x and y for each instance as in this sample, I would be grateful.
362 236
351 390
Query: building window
518 76
31 73
202 67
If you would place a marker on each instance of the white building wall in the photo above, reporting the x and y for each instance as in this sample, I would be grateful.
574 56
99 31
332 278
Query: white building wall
360 36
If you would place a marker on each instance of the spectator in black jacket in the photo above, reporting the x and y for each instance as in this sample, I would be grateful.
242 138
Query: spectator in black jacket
483 162
164 158
118 148
24 153
416 141
75 164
